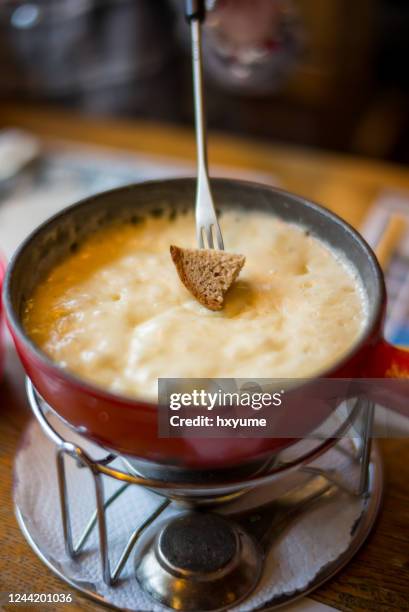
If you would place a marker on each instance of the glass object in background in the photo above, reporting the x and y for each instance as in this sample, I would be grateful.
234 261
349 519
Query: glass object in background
253 45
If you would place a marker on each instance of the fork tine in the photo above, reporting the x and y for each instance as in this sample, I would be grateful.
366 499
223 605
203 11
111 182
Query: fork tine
209 235
200 240
219 237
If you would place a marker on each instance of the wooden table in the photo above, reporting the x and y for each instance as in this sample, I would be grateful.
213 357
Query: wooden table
378 577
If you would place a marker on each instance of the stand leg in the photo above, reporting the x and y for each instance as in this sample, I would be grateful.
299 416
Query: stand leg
368 418
97 518
65 510
102 529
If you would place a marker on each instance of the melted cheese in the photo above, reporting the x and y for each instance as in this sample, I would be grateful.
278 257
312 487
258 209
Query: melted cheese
116 313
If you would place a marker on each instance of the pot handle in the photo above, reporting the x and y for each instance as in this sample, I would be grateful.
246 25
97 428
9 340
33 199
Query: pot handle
2 325
391 364
389 361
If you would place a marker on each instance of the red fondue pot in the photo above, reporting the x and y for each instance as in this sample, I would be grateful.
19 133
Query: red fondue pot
128 425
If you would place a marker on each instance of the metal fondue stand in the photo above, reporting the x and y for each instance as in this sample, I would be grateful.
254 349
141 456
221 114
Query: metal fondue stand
201 560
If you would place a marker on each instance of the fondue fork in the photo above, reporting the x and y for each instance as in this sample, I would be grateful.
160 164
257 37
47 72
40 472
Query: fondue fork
267 523
207 226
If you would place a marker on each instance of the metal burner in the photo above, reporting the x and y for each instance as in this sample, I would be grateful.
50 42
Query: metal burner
201 560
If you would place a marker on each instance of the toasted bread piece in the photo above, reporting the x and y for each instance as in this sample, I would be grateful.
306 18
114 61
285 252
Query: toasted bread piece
207 273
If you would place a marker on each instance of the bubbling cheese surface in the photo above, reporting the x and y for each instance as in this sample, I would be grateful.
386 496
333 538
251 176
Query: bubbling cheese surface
116 313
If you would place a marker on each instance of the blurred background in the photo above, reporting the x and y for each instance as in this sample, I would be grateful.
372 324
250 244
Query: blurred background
329 73
95 94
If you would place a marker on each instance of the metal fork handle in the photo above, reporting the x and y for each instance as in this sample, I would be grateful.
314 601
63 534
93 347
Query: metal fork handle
201 142
195 14
205 212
